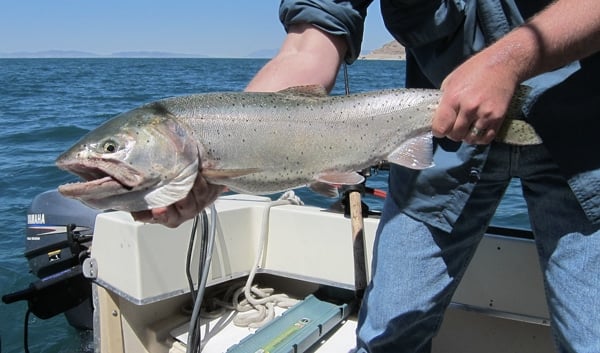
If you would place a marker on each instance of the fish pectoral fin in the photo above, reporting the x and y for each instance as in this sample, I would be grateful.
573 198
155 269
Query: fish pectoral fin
340 178
308 90
414 153
324 189
228 173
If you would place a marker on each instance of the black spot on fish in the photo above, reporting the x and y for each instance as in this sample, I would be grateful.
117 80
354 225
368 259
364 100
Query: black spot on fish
160 109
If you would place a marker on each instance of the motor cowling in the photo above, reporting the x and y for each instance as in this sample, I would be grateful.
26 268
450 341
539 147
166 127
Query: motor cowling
58 236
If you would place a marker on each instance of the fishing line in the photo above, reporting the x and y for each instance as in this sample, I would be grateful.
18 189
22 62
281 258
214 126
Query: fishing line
346 79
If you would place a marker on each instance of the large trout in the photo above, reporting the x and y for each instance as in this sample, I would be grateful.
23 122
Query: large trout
257 143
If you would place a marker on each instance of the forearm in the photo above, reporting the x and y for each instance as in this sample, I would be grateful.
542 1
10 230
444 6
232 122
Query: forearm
477 93
567 30
308 56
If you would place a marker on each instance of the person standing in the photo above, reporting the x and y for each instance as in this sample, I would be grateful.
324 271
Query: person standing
478 52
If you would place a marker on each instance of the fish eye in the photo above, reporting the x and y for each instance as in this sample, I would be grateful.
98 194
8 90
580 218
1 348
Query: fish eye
109 146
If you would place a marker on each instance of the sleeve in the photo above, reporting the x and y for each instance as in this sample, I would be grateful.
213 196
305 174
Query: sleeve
420 22
338 17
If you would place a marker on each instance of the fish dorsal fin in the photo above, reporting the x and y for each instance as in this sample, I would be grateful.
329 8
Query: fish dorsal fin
324 189
340 178
228 173
308 90
414 153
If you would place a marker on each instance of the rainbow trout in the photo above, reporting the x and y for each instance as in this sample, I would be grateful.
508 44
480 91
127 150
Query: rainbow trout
258 143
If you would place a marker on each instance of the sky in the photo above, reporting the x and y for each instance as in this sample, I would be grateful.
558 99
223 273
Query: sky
216 28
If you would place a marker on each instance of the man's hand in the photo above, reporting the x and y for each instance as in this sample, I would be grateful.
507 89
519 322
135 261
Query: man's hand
476 94
475 99
201 196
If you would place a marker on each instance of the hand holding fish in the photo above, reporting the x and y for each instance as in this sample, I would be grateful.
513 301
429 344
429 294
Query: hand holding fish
475 100
200 197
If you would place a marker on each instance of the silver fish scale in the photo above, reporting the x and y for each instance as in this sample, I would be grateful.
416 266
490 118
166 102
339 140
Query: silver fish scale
290 139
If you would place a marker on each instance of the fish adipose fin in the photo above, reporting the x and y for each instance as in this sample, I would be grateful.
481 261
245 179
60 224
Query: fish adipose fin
415 153
228 173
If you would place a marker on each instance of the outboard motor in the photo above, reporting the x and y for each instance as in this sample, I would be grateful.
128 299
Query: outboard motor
59 233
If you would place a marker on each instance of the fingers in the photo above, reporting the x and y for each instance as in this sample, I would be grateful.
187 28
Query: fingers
466 120
142 216
443 119
162 215
480 136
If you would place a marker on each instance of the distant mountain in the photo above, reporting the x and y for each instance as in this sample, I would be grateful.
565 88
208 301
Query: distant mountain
389 51
154 54
50 54
83 54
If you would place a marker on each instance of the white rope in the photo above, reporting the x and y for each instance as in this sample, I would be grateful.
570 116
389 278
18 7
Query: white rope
258 306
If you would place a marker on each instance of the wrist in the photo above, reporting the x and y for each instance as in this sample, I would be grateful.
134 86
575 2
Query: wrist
517 55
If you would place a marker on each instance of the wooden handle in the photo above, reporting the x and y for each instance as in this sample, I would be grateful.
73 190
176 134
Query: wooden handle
358 243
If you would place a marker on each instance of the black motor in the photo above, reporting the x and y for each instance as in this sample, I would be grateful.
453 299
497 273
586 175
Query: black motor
59 233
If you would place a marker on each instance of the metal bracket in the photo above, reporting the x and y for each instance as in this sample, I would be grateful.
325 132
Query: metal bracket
90 268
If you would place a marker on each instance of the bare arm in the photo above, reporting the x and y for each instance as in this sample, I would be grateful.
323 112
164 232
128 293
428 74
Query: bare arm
477 93
567 30
307 56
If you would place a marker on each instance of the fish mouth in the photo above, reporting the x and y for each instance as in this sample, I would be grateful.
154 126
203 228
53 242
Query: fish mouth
101 179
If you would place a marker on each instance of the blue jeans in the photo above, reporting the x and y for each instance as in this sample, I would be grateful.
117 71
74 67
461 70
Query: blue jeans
416 267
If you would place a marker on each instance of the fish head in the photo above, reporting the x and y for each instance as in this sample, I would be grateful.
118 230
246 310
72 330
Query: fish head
141 159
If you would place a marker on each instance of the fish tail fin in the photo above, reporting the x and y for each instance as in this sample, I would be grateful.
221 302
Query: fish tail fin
515 107
515 131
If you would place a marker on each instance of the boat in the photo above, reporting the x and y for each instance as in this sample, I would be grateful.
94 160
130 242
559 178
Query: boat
147 288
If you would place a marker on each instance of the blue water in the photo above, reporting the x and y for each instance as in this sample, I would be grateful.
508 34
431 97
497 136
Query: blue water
47 104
